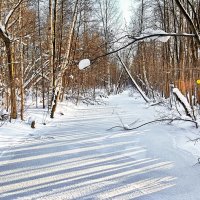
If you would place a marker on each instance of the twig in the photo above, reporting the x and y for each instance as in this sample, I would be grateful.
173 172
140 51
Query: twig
157 103
177 108
134 122
120 120
115 127
2 123
198 162
193 140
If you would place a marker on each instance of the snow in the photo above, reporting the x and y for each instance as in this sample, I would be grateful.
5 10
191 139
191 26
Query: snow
75 157
2 28
84 63
134 82
3 112
55 94
149 31
183 99
8 16
71 76
126 126
31 119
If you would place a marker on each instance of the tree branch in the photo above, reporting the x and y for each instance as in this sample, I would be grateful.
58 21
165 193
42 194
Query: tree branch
158 120
133 81
195 14
11 13
193 140
137 39
189 19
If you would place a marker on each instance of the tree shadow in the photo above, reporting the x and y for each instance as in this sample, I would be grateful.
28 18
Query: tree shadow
83 164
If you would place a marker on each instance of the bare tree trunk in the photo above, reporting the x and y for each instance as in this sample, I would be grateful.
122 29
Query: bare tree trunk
52 51
133 81
41 55
21 69
65 63
10 61
189 20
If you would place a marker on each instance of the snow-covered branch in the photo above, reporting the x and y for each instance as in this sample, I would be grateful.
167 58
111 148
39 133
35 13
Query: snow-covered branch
189 19
4 24
133 81
184 102
36 74
9 15
159 36
3 33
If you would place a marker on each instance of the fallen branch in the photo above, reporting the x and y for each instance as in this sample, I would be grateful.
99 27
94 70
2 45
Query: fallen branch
157 103
198 162
155 121
2 123
133 81
124 126
193 140
183 101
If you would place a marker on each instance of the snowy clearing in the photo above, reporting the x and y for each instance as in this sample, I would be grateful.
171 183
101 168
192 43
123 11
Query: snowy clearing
75 157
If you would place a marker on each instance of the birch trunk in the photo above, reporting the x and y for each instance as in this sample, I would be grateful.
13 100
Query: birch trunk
21 69
10 60
64 65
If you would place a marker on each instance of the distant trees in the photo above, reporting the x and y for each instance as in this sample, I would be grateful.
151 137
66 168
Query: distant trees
109 19
6 21
42 42
157 65
41 45
190 10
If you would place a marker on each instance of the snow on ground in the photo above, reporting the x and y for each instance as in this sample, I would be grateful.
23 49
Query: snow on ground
17 131
75 157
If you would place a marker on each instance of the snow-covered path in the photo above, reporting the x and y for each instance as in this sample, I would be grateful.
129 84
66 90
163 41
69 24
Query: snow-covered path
79 159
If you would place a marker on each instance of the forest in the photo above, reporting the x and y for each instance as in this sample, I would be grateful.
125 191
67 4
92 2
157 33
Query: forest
42 43
99 99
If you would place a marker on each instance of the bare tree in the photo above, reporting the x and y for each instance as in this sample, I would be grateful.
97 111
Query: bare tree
65 63
194 23
7 39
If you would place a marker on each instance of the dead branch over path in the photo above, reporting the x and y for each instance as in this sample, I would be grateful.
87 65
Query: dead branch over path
155 121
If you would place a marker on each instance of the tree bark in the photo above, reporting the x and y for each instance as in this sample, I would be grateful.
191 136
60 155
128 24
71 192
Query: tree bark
10 60
57 90
189 20
9 51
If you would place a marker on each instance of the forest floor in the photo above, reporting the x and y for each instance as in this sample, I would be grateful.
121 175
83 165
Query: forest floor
75 156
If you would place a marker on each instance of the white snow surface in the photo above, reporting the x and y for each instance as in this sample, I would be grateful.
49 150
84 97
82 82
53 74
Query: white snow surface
84 63
183 99
75 156
150 31
3 112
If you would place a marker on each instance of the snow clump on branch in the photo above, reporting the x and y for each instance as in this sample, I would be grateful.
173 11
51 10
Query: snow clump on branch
84 63
183 100
149 32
